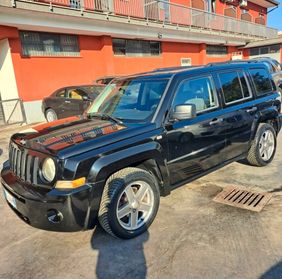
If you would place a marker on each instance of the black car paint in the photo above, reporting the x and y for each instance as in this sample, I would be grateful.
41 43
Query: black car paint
176 152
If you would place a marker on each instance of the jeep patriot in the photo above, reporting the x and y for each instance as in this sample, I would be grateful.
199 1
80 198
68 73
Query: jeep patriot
142 137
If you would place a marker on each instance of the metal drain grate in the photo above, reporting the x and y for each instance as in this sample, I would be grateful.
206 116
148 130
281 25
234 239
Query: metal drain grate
242 198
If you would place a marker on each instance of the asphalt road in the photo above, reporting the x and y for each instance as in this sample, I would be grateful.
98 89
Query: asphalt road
192 236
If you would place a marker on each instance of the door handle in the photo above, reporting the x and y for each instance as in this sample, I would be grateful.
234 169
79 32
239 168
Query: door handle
216 121
68 102
253 109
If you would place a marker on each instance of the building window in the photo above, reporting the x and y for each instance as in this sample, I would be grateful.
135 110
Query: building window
136 47
217 50
48 44
264 50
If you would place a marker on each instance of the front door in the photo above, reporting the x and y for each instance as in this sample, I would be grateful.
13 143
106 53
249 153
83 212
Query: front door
196 145
75 103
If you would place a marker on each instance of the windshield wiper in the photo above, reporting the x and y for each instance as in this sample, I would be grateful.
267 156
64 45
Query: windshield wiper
105 116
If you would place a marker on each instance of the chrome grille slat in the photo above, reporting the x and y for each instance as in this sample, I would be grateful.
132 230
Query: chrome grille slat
23 165
14 160
28 168
35 169
18 168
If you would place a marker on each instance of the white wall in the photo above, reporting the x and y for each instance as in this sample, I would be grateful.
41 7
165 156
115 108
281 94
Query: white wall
8 85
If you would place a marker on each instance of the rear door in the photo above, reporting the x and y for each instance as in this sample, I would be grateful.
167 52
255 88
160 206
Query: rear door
240 111
195 145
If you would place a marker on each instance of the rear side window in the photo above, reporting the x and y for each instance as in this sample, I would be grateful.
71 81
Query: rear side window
261 80
234 86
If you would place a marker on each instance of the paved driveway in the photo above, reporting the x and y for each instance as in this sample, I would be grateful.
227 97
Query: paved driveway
192 237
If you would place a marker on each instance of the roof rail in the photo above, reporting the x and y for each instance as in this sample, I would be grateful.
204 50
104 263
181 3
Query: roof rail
232 62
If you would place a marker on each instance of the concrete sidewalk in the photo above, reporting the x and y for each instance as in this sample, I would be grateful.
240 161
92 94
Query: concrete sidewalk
192 237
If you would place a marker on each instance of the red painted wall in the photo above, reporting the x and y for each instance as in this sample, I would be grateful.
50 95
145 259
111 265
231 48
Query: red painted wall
38 77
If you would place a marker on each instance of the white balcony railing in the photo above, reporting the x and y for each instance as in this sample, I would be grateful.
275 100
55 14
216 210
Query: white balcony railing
168 13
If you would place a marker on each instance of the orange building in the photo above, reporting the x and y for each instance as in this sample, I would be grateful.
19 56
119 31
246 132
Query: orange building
47 44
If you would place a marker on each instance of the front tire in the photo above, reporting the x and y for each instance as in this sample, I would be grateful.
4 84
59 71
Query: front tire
263 147
129 204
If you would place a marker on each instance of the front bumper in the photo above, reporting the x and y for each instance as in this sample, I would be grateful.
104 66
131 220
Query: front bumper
78 208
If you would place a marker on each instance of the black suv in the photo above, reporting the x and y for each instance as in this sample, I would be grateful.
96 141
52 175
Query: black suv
142 137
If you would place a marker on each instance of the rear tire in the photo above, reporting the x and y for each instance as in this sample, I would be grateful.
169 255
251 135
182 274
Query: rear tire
263 147
129 204
51 115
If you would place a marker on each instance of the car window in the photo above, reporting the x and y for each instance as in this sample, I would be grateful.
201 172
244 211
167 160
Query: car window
244 84
94 90
261 80
198 91
76 94
61 93
234 86
269 66
130 99
276 65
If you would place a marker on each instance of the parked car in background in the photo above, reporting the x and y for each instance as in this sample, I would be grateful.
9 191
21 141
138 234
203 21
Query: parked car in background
274 68
69 101
144 136
105 80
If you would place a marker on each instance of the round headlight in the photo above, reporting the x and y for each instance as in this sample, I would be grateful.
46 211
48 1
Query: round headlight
48 169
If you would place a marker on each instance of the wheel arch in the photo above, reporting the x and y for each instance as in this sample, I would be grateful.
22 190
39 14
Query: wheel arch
147 156
270 116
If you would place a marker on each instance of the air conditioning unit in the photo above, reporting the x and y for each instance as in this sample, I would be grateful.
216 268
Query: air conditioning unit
243 3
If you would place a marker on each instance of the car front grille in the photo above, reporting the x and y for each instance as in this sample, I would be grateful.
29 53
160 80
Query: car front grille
23 165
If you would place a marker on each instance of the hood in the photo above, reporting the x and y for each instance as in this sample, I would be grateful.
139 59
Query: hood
70 133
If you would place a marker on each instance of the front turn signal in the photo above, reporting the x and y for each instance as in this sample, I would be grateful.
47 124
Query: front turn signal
64 184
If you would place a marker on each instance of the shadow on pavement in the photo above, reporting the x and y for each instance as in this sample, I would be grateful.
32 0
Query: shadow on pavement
119 258
273 273
1 151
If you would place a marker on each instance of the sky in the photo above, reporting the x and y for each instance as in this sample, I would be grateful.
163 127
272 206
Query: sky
275 18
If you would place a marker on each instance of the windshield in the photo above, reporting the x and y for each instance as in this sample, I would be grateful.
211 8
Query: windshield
130 99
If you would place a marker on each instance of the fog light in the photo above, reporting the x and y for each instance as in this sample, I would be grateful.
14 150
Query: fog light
54 216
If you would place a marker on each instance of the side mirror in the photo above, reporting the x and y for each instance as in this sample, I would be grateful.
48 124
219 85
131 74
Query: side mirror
185 111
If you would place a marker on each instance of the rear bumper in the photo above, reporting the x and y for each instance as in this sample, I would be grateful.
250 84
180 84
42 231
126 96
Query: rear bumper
77 209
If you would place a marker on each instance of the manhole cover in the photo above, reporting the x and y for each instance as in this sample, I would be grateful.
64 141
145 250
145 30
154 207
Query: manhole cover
242 198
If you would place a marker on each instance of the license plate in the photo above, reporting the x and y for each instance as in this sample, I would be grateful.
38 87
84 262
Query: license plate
10 199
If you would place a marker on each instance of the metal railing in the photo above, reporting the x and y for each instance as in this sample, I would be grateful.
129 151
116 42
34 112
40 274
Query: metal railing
168 13
12 112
